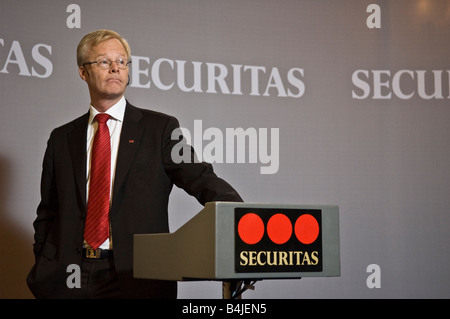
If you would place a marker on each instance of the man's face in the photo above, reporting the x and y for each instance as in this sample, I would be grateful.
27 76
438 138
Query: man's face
110 83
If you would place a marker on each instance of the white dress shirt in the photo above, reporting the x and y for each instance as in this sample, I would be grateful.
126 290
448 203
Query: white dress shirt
116 112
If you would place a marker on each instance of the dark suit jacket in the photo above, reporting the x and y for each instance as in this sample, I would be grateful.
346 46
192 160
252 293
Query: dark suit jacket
145 174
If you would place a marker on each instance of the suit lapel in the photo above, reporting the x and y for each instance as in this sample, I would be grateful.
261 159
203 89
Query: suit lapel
130 139
77 147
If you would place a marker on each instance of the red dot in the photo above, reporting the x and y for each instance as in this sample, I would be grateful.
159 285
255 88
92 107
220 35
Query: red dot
306 229
279 228
251 228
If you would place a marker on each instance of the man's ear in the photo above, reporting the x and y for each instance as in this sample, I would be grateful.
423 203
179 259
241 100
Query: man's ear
83 73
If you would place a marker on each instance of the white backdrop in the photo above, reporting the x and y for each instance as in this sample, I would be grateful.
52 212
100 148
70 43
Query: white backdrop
358 90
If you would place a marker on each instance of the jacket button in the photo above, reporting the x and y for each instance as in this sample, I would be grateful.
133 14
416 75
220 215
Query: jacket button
77 250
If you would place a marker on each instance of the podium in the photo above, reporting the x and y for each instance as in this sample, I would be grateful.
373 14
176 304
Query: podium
242 242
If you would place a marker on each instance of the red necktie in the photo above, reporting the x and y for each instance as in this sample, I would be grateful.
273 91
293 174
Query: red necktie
97 220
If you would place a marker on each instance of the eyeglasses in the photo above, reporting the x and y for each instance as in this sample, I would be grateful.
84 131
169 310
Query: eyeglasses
107 63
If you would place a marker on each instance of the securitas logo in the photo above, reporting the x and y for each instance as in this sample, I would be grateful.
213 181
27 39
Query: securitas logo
278 240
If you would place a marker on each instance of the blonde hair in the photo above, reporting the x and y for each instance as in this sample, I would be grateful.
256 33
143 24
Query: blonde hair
94 38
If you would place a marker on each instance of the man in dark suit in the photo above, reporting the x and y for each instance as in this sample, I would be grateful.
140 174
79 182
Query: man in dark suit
142 175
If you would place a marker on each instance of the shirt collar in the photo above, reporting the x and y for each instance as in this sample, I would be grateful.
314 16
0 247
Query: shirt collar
116 111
